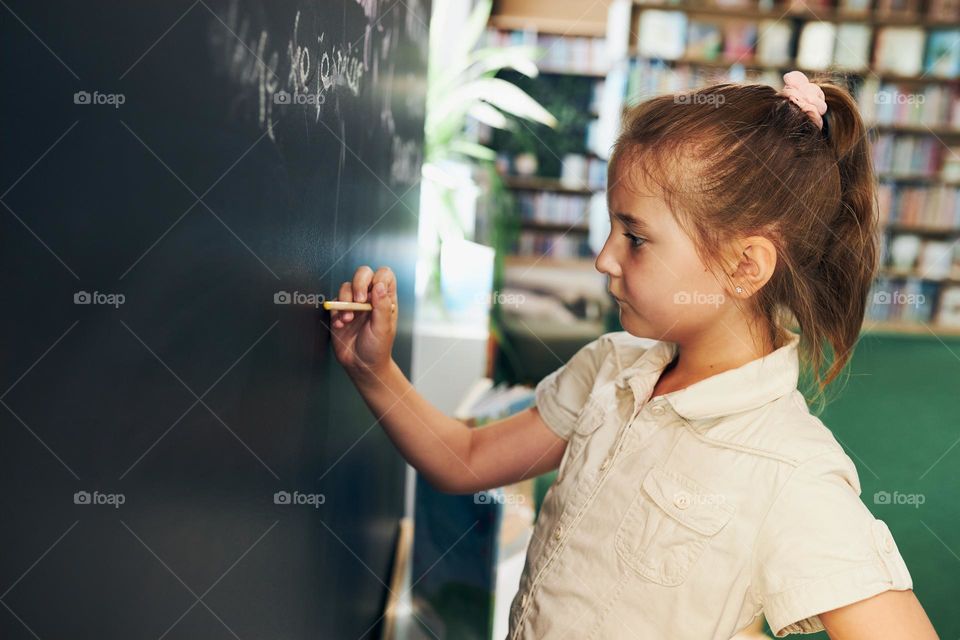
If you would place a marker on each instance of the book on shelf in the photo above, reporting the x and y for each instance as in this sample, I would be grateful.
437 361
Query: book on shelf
936 259
909 156
558 53
948 314
596 96
901 299
662 34
894 103
704 40
552 208
556 245
910 254
943 54
933 207
899 50
815 48
773 43
596 168
852 49
739 39
648 78
592 140
950 170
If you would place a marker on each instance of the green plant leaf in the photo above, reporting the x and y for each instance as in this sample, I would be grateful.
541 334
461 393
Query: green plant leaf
474 150
512 99
489 61
448 65
488 115
505 96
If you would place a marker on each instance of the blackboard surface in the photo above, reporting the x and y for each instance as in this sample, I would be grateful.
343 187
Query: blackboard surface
181 455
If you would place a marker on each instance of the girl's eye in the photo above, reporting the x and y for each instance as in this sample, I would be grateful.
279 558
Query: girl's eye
635 241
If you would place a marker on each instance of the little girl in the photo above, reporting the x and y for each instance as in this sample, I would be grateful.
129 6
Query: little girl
695 489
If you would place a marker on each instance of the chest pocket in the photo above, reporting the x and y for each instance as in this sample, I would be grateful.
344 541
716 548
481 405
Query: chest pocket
667 526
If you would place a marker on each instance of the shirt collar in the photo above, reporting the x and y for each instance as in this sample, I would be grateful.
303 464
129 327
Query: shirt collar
746 387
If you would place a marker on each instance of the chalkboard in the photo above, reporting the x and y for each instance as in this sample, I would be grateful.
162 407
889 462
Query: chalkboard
181 454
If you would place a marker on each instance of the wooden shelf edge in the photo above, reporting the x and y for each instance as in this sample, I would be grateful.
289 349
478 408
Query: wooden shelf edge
534 183
553 26
818 14
760 65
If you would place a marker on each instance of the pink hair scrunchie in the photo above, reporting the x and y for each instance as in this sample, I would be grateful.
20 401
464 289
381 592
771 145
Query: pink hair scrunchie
805 94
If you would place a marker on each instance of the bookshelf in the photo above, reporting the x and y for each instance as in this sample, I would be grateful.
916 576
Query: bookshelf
900 59
551 176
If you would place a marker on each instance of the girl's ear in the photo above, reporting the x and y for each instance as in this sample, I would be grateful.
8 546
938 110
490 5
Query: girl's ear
754 267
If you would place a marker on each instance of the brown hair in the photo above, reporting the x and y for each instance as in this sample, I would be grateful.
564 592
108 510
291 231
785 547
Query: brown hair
753 163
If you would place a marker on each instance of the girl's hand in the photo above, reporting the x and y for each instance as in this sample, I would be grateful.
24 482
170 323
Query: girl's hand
363 340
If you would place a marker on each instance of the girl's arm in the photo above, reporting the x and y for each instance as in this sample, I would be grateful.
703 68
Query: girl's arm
891 615
451 456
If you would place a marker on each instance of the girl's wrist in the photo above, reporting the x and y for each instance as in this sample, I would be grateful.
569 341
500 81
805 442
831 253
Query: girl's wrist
366 375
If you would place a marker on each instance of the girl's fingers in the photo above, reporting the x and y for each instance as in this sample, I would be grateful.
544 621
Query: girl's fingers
346 295
360 290
361 282
384 275
389 280
383 308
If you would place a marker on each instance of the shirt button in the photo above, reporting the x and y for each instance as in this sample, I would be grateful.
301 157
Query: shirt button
681 500
558 532
657 410
524 600
605 464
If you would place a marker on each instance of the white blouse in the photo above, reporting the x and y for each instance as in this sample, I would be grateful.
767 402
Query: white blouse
687 515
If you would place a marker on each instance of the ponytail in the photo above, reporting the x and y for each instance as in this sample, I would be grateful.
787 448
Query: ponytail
848 264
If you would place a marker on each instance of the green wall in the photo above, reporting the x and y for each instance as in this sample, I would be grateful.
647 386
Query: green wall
898 417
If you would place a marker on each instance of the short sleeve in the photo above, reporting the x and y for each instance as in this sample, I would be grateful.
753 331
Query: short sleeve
561 395
819 548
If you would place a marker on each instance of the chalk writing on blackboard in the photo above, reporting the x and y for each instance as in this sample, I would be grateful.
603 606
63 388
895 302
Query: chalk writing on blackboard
307 67
310 67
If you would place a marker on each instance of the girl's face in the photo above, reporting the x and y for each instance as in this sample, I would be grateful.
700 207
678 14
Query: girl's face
664 290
